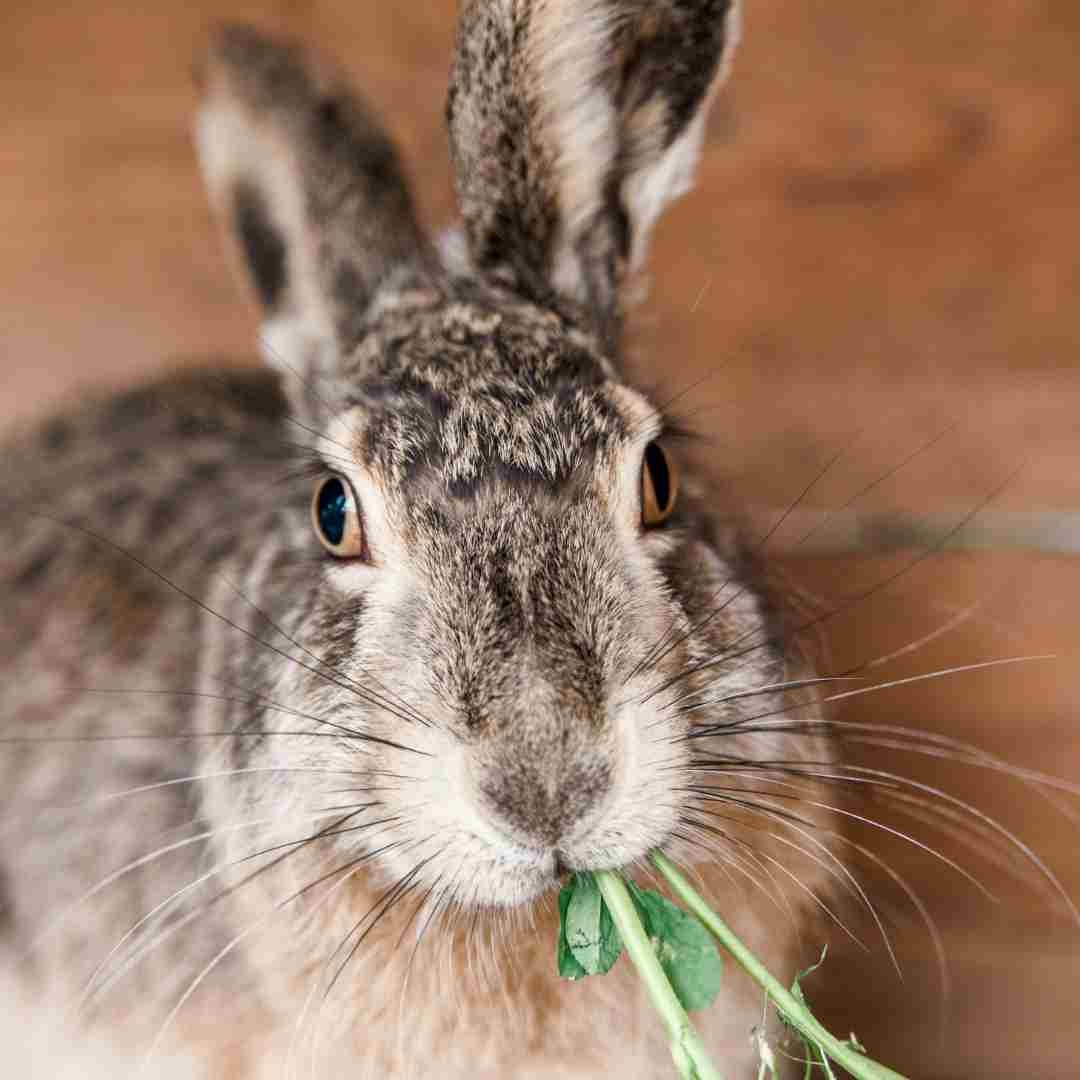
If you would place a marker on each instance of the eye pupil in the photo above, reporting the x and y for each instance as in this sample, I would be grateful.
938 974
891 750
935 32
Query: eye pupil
331 510
659 486
336 518
660 475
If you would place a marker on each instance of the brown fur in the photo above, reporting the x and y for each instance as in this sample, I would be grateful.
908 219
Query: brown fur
328 755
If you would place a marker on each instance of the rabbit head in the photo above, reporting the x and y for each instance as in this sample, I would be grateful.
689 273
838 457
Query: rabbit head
524 605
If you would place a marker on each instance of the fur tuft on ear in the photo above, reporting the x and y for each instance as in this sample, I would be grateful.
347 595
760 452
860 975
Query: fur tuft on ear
572 124
312 192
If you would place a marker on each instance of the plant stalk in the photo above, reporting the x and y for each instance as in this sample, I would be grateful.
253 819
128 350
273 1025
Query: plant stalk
792 1010
686 1046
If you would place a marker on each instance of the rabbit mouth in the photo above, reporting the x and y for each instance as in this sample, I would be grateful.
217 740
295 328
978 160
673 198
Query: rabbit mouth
522 873
514 876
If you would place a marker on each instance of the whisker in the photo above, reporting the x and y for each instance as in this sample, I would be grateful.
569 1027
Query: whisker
733 652
970 834
203 606
946 627
952 750
231 388
908 838
311 384
349 455
877 482
714 729
995 826
182 780
771 688
728 856
932 928
651 658
272 706
294 1042
401 709
321 455
797 825
374 913
144 860
802 886
91 991
184 736
794 505
351 867
1035 781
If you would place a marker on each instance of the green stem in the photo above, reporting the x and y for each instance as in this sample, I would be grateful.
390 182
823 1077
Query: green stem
793 1011
686 1046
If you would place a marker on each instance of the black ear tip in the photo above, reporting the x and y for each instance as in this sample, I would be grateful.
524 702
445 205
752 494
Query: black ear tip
231 34
222 38
222 42
264 246
238 48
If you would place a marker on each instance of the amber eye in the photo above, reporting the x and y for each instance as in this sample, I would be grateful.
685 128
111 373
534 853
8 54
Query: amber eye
336 518
659 486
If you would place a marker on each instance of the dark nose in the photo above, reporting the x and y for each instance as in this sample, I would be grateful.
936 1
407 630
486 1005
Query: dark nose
541 801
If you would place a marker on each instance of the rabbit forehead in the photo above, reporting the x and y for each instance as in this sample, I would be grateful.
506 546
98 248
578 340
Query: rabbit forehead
464 393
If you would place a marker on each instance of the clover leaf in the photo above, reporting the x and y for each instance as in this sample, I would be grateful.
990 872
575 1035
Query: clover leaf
569 968
587 927
589 942
685 949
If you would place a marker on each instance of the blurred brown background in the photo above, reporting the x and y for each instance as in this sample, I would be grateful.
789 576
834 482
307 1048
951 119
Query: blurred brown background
882 248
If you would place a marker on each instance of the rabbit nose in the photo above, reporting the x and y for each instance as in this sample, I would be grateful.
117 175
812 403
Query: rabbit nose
541 800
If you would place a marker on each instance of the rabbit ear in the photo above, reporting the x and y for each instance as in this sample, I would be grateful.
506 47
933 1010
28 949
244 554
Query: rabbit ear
572 124
312 191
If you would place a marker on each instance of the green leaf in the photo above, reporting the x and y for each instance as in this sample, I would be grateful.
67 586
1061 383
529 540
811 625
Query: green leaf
569 968
589 928
792 1009
684 947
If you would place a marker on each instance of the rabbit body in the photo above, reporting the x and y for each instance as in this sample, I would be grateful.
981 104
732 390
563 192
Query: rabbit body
267 809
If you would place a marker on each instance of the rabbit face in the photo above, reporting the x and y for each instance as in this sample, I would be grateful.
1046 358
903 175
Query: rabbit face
463 650
516 637
527 638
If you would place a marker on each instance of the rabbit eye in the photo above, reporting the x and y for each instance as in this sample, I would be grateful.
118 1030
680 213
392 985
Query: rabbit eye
336 518
659 486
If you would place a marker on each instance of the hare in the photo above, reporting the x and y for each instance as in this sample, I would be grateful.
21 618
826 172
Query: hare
319 678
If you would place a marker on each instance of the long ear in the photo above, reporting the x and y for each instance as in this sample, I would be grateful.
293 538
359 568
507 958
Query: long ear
312 191
572 124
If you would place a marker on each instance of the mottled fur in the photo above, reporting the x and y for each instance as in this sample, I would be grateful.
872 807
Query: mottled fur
446 726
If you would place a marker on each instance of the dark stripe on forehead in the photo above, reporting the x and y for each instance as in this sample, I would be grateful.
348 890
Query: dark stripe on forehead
545 437
468 392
